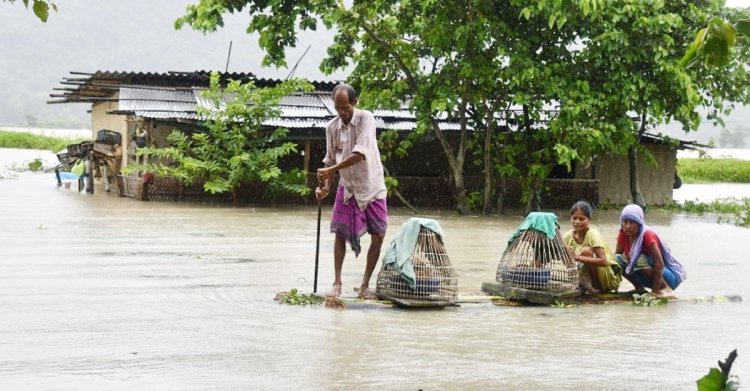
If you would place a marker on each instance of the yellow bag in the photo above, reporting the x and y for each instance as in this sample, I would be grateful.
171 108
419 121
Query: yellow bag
78 168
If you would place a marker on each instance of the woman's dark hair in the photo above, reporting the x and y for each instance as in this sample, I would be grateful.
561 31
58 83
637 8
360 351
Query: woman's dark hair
583 206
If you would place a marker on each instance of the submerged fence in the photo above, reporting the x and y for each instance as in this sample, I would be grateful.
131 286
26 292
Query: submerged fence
430 192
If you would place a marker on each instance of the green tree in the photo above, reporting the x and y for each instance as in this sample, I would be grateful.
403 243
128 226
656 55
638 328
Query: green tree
446 59
713 44
631 53
530 83
235 147
40 7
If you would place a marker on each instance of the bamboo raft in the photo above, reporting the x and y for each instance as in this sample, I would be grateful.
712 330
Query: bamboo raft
352 302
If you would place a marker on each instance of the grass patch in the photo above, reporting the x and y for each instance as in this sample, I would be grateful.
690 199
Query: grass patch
728 210
293 297
731 211
714 170
23 140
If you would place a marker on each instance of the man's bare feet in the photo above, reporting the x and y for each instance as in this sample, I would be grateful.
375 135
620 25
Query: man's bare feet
335 291
366 294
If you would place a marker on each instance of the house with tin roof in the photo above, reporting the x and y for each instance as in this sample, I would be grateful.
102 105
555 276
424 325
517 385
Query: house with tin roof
130 103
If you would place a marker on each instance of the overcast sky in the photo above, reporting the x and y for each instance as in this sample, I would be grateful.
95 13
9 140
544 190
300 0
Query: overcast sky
132 35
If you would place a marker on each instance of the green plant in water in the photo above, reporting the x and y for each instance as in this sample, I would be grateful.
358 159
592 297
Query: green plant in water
35 165
719 379
646 300
731 210
296 298
562 304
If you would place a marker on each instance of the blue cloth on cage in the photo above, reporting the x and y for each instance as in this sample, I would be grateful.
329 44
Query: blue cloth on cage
399 250
543 222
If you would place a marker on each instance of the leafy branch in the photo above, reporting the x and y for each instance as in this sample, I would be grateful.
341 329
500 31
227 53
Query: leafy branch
40 7
718 379
233 147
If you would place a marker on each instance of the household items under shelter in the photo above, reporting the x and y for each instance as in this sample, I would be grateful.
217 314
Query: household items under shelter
87 159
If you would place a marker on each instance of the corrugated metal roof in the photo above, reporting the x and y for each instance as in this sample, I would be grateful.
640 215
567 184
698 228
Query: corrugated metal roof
316 112
393 113
167 115
297 123
411 125
200 101
177 95
328 103
297 111
93 87
147 99
302 100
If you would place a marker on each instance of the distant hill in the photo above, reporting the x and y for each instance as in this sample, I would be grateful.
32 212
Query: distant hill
737 125
133 35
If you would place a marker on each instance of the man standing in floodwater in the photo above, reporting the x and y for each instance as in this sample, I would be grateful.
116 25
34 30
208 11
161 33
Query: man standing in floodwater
360 204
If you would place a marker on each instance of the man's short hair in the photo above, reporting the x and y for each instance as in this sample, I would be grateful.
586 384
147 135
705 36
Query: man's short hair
350 91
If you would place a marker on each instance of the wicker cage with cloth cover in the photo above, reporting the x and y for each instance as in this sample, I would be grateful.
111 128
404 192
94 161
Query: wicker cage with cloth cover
536 257
416 268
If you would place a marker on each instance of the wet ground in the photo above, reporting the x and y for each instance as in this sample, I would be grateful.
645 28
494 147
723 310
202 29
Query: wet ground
100 292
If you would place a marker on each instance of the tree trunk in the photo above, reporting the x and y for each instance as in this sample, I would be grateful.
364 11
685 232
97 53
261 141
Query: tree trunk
500 201
533 203
635 189
502 182
456 162
488 169
462 205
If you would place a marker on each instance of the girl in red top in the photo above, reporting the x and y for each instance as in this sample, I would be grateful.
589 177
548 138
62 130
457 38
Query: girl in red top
646 260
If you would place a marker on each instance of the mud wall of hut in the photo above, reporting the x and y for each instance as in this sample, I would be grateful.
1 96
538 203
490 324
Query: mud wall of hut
656 180
100 119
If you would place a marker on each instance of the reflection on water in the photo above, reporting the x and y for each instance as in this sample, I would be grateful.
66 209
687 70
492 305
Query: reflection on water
99 292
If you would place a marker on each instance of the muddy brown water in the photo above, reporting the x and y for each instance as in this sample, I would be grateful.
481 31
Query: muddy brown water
100 292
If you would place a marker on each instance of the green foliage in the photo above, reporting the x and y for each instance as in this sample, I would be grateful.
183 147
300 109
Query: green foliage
391 183
646 300
35 165
562 304
474 200
728 210
296 298
714 170
562 78
23 140
41 8
713 44
719 379
234 148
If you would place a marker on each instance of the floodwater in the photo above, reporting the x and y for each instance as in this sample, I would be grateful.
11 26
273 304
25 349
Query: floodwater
100 292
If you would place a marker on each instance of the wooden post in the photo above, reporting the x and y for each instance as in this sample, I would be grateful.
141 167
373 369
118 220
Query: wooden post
306 161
